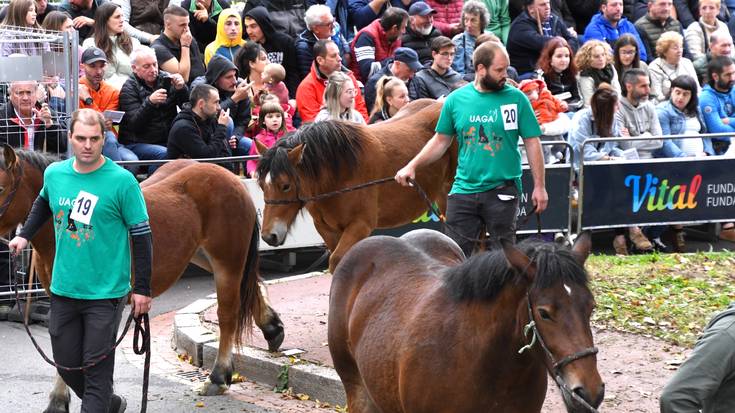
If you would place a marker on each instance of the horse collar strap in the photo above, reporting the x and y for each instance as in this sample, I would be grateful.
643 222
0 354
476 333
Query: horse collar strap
557 366
16 184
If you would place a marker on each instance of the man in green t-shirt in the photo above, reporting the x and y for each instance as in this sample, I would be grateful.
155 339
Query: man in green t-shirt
487 117
95 205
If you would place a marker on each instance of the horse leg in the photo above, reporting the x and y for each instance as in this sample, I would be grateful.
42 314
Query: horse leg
351 235
268 321
59 397
358 399
227 284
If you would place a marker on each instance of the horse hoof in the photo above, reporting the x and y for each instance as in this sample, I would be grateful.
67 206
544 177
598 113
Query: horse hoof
211 389
57 408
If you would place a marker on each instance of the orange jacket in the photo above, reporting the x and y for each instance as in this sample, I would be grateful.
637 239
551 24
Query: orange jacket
310 95
547 107
107 98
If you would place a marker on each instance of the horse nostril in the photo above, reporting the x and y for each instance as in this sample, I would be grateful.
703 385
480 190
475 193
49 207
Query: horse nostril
270 239
584 394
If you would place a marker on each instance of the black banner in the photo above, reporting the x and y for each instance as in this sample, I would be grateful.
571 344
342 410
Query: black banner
683 190
554 219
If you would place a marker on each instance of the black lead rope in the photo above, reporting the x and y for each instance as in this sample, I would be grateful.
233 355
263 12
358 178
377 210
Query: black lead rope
141 332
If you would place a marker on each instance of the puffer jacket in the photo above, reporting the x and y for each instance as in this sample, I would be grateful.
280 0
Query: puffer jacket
145 122
651 30
305 49
420 43
430 84
310 94
640 121
448 13
370 47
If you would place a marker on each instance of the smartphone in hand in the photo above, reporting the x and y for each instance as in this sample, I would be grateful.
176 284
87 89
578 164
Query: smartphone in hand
166 83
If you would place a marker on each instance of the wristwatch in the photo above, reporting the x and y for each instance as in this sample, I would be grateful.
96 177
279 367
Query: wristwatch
88 101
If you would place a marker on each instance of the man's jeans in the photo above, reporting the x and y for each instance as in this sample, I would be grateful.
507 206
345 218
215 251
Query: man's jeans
147 151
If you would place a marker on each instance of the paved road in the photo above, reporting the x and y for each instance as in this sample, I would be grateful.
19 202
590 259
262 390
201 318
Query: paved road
26 379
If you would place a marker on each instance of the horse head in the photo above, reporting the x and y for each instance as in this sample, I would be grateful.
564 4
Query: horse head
280 185
315 159
19 186
558 309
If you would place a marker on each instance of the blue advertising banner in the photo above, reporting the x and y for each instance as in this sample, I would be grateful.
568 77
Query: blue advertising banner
658 191
554 219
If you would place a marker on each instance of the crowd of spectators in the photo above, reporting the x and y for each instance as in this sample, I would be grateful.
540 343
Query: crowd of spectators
206 78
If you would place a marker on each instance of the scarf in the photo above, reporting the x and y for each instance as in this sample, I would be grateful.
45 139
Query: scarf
600 75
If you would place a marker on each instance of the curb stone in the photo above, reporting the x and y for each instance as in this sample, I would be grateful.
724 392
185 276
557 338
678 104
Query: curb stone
191 337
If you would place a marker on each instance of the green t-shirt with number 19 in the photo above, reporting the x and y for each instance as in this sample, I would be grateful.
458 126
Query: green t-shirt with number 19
487 126
92 214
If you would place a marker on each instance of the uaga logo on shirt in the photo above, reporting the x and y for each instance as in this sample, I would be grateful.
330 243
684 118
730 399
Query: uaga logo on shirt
481 136
74 217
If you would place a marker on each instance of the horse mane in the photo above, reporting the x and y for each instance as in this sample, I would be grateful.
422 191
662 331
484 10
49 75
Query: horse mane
38 160
331 150
483 276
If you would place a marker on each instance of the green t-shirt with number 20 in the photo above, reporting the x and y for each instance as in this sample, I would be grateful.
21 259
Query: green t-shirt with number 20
487 126
92 214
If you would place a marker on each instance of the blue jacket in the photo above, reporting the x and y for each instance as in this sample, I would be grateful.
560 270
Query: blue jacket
583 128
464 44
715 106
305 49
673 121
601 29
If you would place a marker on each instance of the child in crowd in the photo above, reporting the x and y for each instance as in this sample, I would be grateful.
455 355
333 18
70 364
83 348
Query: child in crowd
273 76
272 122
264 97
550 114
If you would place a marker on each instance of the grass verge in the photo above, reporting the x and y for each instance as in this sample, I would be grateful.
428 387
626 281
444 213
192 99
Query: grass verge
669 296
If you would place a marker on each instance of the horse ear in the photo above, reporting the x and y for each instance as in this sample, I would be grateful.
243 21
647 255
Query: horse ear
294 155
260 147
582 247
518 260
11 159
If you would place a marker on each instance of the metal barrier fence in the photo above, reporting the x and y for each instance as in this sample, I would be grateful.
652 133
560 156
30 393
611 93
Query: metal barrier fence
659 191
39 80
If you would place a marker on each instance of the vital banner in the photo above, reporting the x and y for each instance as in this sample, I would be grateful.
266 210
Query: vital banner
683 190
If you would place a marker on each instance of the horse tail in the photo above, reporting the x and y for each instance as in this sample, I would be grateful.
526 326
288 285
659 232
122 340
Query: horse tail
249 290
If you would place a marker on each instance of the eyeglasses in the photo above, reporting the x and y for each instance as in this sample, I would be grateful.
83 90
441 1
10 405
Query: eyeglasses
328 24
350 92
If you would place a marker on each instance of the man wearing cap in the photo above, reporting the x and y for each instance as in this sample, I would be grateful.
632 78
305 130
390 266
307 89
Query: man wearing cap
377 42
439 79
420 31
98 95
403 66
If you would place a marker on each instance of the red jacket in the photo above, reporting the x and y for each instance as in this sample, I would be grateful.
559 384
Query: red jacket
448 12
383 49
310 95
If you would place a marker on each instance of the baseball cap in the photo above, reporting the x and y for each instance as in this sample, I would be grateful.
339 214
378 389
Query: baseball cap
421 9
93 54
409 57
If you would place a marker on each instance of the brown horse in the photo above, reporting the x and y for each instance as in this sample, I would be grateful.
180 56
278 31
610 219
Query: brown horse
328 156
189 223
413 327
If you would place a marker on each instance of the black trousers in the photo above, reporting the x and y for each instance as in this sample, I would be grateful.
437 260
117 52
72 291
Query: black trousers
495 210
81 332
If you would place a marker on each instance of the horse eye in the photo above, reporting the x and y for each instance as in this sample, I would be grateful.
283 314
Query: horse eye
544 314
2 189
286 188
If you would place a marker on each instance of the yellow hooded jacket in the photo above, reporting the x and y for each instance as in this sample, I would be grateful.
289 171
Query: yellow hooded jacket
222 45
